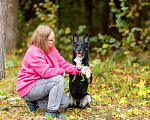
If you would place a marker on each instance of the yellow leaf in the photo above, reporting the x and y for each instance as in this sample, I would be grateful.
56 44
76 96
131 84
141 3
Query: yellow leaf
105 46
147 112
5 112
117 70
42 18
103 85
142 92
123 101
20 50
140 8
67 30
136 111
126 52
103 93
148 91
76 111
127 74
87 110
141 84
72 117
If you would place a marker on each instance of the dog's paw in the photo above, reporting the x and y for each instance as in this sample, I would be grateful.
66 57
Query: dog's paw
88 73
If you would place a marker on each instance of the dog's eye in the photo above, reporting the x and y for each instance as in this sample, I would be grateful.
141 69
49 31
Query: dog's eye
83 45
77 45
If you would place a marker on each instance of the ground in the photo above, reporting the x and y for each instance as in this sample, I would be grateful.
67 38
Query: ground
119 91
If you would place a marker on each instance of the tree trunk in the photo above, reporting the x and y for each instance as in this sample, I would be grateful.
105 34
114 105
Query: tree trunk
105 16
11 35
136 23
3 21
88 14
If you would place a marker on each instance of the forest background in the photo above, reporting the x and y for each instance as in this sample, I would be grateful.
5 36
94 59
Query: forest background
119 52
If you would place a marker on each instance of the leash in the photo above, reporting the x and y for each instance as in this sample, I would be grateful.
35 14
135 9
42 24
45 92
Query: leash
82 80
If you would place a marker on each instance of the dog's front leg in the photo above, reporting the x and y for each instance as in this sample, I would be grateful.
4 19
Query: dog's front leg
88 75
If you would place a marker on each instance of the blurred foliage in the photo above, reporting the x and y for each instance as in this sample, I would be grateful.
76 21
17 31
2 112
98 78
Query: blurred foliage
124 15
64 19
108 43
71 15
25 29
124 24
121 70
46 12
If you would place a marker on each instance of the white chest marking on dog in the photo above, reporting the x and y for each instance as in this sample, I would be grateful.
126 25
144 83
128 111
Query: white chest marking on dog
78 61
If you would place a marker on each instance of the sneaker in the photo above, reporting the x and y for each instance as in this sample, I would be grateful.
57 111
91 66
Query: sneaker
55 115
31 105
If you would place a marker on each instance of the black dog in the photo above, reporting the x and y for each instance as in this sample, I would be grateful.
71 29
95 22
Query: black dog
78 84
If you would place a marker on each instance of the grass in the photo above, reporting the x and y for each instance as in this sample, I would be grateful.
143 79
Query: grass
119 91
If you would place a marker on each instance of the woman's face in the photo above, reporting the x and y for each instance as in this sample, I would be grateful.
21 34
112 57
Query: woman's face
51 39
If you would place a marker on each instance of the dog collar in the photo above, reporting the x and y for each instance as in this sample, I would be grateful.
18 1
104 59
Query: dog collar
82 80
82 66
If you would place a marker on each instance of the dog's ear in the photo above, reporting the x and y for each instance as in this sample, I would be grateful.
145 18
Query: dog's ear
86 38
75 38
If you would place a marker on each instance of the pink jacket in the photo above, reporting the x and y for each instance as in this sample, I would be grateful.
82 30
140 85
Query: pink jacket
36 64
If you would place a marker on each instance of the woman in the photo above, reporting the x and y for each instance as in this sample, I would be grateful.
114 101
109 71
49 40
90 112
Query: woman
40 81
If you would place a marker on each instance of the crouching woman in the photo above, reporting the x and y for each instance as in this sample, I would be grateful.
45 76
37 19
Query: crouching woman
41 80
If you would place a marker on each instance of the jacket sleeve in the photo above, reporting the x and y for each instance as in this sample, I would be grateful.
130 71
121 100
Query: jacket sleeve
69 68
43 69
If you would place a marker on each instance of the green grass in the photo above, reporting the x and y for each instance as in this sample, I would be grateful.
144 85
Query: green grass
120 90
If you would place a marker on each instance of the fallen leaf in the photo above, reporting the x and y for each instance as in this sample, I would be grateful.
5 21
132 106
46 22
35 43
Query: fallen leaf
141 84
136 111
142 93
72 117
123 101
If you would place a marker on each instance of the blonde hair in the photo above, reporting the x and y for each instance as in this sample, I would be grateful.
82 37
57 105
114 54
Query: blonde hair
39 37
